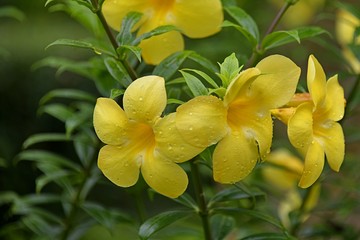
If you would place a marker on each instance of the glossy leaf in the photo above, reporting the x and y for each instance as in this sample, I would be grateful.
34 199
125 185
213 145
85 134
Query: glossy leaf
206 77
160 221
195 85
221 226
280 38
43 180
67 94
203 61
44 137
186 200
245 24
157 31
59 111
229 69
171 64
270 236
117 71
123 51
79 44
125 36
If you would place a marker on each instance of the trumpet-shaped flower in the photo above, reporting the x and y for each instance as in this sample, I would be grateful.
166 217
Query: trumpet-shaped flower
313 127
138 139
346 23
241 123
195 19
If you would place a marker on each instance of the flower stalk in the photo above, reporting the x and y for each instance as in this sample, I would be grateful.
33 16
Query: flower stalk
200 197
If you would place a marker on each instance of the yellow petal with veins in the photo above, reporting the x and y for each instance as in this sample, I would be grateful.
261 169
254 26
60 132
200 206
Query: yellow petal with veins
234 158
170 143
300 127
145 99
314 164
202 121
316 81
110 121
277 83
119 165
198 19
164 176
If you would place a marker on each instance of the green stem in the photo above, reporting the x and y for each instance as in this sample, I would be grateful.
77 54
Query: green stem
203 210
100 15
258 51
76 201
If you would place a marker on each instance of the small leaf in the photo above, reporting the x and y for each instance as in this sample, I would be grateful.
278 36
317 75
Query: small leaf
158 222
279 38
12 12
203 61
57 110
186 200
221 226
79 44
67 93
204 76
229 69
117 71
195 85
157 31
116 93
125 36
247 26
44 137
43 180
171 64
174 101
124 49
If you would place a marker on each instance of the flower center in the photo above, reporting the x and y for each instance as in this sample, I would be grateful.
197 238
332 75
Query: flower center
142 138
162 5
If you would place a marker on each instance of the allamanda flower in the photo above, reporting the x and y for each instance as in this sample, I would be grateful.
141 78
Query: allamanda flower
242 121
138 139
195 19
312 125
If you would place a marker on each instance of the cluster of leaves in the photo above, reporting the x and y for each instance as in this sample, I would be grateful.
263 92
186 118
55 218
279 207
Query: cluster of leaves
76 175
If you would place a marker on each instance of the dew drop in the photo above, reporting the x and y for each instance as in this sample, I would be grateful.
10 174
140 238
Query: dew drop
140 99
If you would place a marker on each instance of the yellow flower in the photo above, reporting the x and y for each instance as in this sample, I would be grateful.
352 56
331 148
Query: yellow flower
313 128
346 23
137 138
242 121
195 19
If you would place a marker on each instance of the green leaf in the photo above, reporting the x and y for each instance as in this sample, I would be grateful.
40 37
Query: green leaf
229 69
254 213
221 226
12 12
174 101
203 61
195 85
349 8
186 200
85 145
204 76
266 236
247 25
280 38
44 137
116 93
233 193
57 110
157 31
105 216
171 64
117 71
160 221
124 49
43 180
79 44
125 36
80 118
67 93
42 156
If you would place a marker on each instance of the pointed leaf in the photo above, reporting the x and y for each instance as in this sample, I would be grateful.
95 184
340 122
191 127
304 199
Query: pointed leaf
117 71
125 36
79 44
160 221
270 236
196 86
157 31
204 76
221 226
171 64
44 137
68 94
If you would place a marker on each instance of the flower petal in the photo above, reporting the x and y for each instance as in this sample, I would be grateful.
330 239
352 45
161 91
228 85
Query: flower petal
238 88
316 81
334 102
115 10
314 164
145 99
300 127
234 158
332 140
164 176
277 83
170 142
110 121
198 19
202 121
119 165
157 48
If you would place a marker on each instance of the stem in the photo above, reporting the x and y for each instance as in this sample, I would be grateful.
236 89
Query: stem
203 210
258 50
100 15
76 202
